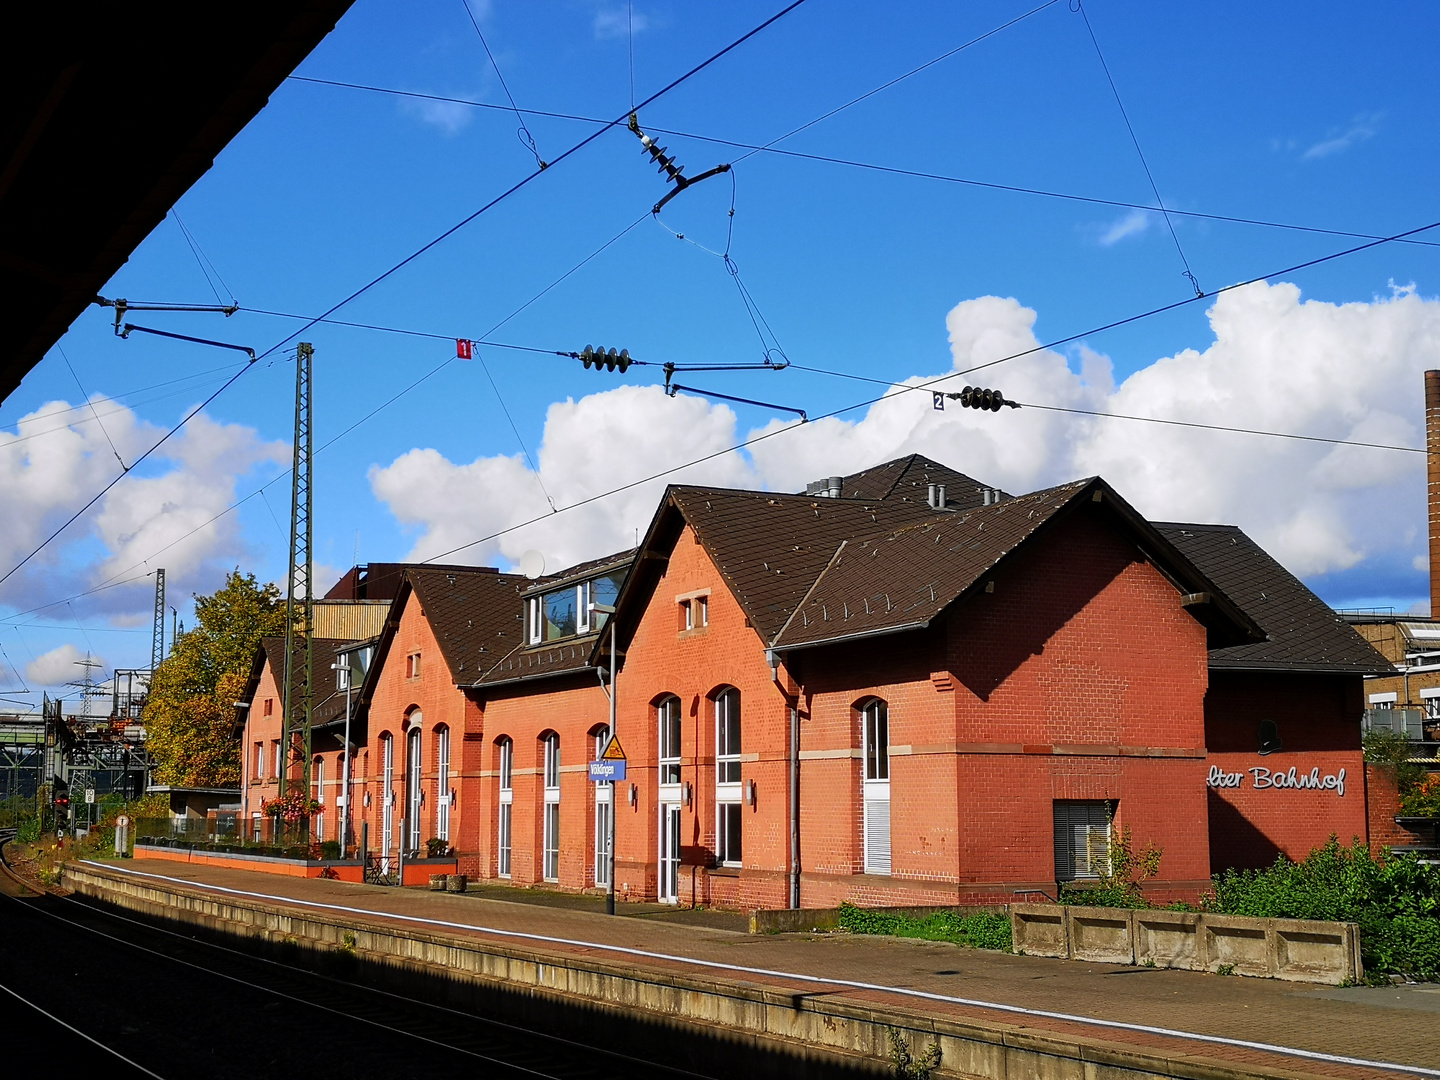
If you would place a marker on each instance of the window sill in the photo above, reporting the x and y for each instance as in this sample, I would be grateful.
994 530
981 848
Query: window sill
725 871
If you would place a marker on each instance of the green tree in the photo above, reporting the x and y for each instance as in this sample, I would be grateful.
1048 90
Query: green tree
190 714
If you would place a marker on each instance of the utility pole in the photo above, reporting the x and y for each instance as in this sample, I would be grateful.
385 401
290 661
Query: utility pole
157 634
299 600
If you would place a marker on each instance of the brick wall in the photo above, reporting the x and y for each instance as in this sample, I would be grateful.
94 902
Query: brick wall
1318 721
1382 804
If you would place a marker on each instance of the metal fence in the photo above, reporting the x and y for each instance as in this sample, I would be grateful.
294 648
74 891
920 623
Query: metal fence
228 831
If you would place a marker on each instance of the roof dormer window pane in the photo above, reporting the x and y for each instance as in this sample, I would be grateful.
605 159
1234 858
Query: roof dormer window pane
560 614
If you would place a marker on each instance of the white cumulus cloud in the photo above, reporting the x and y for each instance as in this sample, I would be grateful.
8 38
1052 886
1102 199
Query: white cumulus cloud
61 665
58 457
1341 139
1132 224
1276 363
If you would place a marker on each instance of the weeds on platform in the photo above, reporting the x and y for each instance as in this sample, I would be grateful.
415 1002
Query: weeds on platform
976 929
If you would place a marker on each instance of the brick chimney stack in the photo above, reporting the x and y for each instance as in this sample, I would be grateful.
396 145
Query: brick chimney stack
1432 477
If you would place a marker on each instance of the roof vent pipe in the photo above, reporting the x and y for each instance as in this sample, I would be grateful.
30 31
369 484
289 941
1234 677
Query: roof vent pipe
834 485
930 496
987 496
940 496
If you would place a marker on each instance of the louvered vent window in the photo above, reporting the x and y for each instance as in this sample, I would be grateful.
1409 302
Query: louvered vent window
1082 840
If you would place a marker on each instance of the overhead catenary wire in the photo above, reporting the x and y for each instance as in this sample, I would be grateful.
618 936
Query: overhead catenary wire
901 78
919 174
76 1031
394 269
86 398
1078 5
526 139
525 180
202 259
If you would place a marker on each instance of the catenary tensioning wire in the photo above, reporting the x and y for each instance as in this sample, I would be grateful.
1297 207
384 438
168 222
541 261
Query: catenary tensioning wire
76 1031
855 984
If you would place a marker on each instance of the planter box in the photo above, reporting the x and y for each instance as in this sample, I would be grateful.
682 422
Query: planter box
344 869
418 871
1297 950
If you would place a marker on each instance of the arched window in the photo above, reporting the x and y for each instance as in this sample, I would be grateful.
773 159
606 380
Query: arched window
603 802
412 784
667 714
551 838
727 777
387 798
318 771
442 783
505 753
875 750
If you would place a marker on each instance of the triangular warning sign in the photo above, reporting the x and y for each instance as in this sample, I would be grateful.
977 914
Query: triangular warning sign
613 751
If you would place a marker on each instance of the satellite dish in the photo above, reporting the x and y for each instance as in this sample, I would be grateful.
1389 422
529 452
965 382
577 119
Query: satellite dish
532 564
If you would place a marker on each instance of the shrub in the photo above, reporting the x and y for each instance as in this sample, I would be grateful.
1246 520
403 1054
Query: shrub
1123 885
28 831
436 848
1422 800
977 929
1395 901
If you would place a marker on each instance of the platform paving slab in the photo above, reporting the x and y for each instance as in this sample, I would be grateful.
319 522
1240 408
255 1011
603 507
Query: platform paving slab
1393 1024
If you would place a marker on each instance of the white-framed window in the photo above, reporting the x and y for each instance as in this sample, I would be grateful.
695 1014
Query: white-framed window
702 611
387 798
602 815
727 777
534 623
256 824
259 762
875 752
412 665
342 672
318 775
1082 839
551 830
442 783
687 615
667 715
279 759
412 784
506 750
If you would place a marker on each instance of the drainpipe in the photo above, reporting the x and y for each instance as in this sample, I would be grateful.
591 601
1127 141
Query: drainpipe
772 657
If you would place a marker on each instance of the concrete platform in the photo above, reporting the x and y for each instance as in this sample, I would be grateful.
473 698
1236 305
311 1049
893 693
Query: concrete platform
994 1015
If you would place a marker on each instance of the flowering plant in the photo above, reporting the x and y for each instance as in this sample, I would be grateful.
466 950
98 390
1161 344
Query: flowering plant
293 807
1423 800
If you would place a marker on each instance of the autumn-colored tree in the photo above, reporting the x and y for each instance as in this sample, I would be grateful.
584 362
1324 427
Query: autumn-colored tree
190 713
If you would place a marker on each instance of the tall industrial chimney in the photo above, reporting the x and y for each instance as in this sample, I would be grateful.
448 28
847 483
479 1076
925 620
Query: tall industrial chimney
1432 477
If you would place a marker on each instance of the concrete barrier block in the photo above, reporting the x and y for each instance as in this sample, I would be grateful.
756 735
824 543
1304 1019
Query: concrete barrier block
1104 935
1239 945
1039 930
1323 952
1167 939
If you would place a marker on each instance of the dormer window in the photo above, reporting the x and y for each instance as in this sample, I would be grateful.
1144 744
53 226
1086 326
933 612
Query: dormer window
566 612
412 666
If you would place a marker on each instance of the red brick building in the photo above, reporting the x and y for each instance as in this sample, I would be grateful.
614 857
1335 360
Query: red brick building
903 688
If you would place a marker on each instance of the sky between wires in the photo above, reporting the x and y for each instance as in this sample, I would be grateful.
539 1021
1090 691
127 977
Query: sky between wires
1287 112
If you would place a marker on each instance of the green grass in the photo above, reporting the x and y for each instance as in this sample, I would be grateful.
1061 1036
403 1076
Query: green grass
977 930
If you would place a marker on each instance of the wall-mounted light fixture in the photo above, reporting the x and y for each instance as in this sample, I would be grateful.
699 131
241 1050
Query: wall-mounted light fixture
367 798
634 797
750 793
689 793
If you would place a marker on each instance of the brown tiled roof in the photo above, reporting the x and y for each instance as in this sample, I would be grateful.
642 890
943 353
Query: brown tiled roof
550 658
477 615
895 578
1304 634
770 547
329 699
908 479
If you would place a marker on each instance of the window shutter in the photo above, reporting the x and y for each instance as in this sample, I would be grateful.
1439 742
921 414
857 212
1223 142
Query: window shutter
877 836
1082 840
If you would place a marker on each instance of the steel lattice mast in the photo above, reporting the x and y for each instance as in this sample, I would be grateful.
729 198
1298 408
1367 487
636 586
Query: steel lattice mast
299 603
157 635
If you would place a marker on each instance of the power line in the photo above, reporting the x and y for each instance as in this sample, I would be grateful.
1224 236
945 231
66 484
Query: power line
524 135
124 473
919 174
901 78
1080 7
763 436
617 122
406 261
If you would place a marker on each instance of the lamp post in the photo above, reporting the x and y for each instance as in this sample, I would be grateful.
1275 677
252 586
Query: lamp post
344 822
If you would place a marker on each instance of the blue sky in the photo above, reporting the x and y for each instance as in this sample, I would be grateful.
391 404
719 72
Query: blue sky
1316 115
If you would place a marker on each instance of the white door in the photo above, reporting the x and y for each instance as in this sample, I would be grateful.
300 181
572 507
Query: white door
602 835
387 802
412 788
669 853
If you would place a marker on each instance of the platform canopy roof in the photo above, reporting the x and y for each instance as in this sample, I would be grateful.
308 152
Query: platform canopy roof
112 111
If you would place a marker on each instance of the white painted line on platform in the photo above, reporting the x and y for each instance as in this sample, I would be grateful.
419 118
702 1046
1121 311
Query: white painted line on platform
1019 1010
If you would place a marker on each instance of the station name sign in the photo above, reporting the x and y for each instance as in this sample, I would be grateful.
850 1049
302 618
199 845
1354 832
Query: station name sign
1262 779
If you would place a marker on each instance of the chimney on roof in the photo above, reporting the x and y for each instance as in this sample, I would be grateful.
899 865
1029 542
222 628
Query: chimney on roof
1432 476
940 496
930 496
828 488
